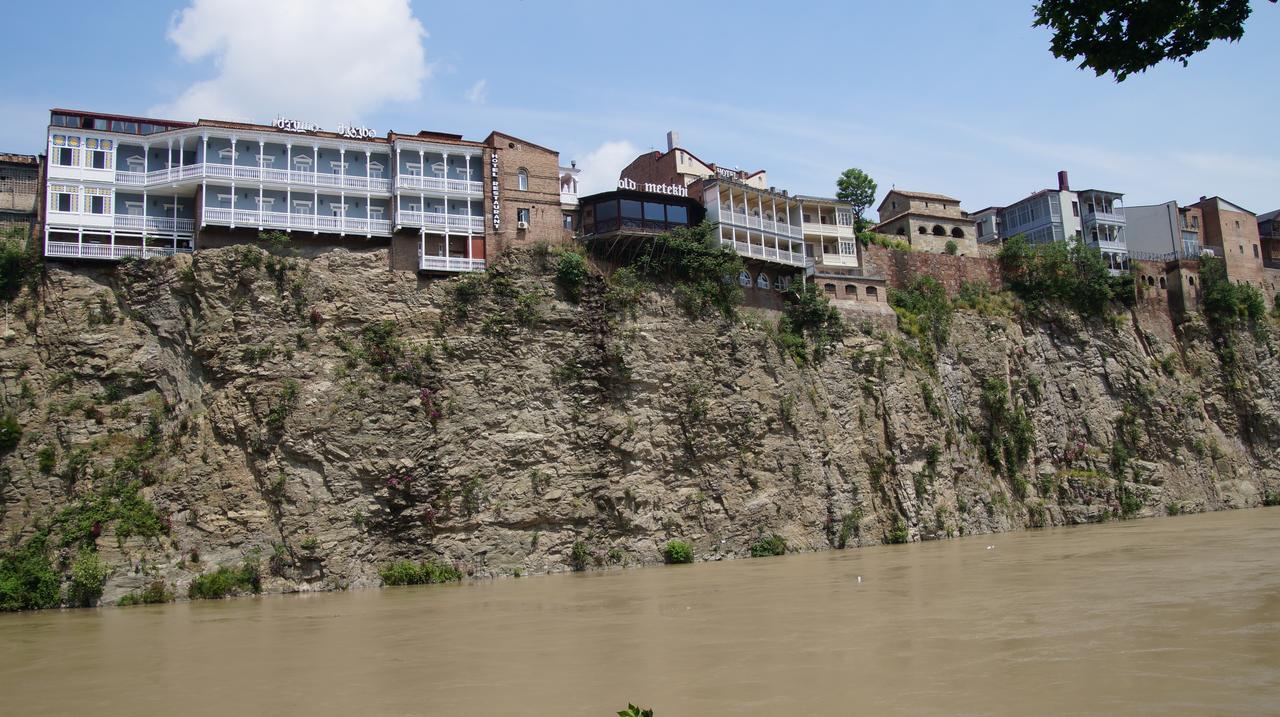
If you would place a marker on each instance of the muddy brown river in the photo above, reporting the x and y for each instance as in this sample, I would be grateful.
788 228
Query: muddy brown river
1171 616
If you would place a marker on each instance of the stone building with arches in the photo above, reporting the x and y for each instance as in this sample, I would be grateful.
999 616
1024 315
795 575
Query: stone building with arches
927 221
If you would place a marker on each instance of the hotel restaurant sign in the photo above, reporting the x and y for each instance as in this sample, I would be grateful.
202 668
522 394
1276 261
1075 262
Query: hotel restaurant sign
678 190
298 126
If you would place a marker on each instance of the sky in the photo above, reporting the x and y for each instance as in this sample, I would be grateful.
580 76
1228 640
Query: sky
939 96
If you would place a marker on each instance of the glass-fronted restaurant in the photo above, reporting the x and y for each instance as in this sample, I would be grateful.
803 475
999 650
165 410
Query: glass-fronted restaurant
632 212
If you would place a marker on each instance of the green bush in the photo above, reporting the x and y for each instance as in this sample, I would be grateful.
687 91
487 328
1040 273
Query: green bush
625 291
47 459
226 581
923 311
88 575
848 527
809 315
580 555
768 545
899 533
154 593
1070 273
633 711
677 551
10 433
571 274
1228 305
19 263
27 578
704 272
121 502
1010 435
951 247
407 572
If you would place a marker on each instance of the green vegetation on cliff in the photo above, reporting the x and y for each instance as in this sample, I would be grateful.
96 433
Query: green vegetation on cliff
1066 272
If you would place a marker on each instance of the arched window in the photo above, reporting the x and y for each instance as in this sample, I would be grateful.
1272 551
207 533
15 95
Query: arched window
522 180
1163 284
762 281
1151 281
938 231
872 292
850 290
1191 280
744 278
957 232
829 288
777 283
922 230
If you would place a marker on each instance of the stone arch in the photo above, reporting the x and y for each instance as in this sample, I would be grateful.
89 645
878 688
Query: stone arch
850 290
939 231
922 230
1163 283
829 288
872 292
957 233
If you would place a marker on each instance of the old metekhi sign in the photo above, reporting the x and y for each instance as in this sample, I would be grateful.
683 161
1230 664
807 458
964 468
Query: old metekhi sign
346 130
493 178
678 190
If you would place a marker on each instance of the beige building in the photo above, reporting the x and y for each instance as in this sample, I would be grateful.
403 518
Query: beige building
927 221
19 190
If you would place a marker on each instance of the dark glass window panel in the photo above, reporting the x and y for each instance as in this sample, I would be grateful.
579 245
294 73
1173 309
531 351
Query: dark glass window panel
631 209
654 212
677 215
606 210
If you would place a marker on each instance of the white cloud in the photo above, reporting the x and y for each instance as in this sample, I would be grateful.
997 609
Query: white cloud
325 61
479 92
601 166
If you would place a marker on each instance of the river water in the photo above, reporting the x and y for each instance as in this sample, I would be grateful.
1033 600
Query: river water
1171 616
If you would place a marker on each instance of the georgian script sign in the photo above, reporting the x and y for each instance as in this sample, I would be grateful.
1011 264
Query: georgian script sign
678 190
494 185
346 130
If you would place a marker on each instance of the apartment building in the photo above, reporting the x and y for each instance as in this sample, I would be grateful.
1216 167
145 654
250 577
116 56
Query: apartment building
1094 216
1164 231
121 186
1233 233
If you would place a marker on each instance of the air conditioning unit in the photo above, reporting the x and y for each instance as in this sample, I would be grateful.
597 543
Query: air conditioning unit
522 225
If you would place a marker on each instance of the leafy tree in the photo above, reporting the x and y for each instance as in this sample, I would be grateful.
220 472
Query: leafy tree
1226 304
1066 272
858 189
1127 36
19 263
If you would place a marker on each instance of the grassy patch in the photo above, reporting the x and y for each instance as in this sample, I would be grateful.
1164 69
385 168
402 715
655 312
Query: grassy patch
407 572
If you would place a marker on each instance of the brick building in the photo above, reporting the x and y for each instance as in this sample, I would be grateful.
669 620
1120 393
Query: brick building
1233 230
927 221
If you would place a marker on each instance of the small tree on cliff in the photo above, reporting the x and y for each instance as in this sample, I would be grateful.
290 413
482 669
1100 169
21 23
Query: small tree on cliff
859 190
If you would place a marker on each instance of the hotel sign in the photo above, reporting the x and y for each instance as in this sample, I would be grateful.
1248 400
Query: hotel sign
678 190
494 185
286 124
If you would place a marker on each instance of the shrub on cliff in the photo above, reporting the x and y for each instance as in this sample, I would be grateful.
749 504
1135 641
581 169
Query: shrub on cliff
10 432
226 581
27 578
677 551
19 263
809 315
571 274
407 572
768 545
154 593
1064 272
1228 305
923 310
693 258
88 575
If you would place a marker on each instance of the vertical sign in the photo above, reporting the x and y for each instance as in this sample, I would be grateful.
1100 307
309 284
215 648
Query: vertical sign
494 183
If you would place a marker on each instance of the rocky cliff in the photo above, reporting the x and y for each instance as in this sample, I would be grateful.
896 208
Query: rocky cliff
325 416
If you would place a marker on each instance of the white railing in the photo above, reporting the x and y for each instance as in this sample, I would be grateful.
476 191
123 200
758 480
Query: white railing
287 221
438 184
1111 217
767 225
439 220
781 256
828 229
157 224
213 170
449 263
75 250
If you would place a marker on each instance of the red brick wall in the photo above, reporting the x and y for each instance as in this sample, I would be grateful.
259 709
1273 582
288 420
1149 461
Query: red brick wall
542 199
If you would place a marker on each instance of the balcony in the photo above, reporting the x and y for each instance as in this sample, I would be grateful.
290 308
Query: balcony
438 185
763 252
839 259
288 222
749 222
165 225
73 250
843 230
438 221
1095 217
267 175
449 263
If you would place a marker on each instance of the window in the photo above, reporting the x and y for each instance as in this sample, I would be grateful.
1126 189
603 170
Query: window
65 202
1075 208
606 210
631 209
677 215
568 221
654 212
744 278
1195 222
265 203
922 230
829 288
1255 251
376 212
850 290
1163 284
872 291
301 206
64 156
522 180
97 205
762 281
338 209
375 170
339 167
133 209
981 232
122 126
97 159
938 230
522 215
957 232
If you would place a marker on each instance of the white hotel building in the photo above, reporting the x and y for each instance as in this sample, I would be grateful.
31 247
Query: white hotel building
134 187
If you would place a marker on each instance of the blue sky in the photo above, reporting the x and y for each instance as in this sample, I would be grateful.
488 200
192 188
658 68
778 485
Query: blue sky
957 98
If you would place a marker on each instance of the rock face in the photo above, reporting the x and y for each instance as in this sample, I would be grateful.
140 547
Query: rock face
326 416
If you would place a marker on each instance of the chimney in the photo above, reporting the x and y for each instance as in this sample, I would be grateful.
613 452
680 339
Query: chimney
673 139
573 163
1063 185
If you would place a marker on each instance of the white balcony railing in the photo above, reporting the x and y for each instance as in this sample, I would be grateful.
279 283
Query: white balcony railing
167 225
75 250
438 184
843 230
751 222
449 263
213 170
439 220
757 251
1109 217
291 221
